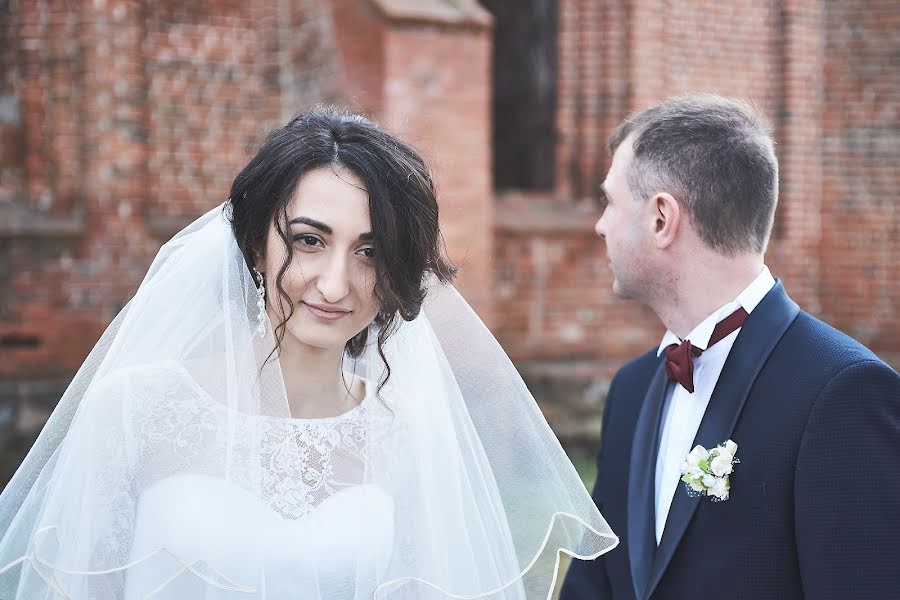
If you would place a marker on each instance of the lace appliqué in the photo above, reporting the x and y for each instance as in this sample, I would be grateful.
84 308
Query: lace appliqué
306 462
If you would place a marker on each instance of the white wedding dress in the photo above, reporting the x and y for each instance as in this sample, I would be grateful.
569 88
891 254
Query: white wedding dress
320 531
185 514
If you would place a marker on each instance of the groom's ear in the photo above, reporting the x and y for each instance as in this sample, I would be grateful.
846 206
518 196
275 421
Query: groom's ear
667 218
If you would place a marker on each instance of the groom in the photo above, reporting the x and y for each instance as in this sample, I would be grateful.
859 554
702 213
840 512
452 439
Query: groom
813 506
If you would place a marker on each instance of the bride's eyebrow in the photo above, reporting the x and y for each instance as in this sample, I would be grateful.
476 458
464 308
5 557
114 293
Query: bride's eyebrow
312 223
363 237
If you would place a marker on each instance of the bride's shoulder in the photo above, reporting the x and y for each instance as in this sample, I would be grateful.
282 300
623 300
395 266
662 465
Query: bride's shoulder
139 388
149 402
133 379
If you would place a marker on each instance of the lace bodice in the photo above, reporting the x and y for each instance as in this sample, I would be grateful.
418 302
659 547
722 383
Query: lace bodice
238 491
292 464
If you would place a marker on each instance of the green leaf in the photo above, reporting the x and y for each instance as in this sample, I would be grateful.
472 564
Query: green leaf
704 465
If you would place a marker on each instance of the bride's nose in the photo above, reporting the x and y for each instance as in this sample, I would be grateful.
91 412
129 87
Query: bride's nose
334 279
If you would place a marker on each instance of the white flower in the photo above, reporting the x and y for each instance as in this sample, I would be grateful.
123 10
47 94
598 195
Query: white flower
706 472
698 454
695 472
731 448
719 489
721 465
697 486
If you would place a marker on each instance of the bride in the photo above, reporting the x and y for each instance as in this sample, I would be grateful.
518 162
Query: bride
297 404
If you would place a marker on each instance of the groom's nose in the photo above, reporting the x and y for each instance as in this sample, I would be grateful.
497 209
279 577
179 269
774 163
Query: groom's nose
599 228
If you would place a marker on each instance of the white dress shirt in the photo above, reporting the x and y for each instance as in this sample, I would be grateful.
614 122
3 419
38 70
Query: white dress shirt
683 410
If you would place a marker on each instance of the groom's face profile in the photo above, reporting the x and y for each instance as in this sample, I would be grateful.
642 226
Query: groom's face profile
620 226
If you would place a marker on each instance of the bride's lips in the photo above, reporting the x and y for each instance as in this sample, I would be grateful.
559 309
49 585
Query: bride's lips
325 312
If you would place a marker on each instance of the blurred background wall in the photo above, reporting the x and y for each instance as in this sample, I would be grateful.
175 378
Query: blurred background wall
121 121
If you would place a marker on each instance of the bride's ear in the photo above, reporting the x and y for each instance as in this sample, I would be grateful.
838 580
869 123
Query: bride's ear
667 218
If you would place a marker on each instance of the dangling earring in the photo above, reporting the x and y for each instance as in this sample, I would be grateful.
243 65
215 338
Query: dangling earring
261 301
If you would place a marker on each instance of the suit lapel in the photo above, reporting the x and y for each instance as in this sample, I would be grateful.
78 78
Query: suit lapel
641 482
756 340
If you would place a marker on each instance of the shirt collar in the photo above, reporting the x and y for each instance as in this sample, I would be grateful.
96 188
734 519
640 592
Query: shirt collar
748 299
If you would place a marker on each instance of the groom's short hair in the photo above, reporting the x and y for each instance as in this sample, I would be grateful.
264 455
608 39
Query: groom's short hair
716 156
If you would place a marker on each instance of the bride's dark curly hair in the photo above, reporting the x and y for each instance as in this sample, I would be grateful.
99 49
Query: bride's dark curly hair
402 206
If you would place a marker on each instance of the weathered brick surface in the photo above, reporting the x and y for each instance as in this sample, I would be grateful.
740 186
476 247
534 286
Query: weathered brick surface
429 81
434 100
122 120
127 112
820 72
860 243
834 122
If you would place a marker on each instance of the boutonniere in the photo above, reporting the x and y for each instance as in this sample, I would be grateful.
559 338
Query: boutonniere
706 472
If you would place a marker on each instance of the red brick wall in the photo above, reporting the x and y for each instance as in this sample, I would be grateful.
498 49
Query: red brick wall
822 73
121 122
834 122
860 245
566 312
440 100
134 121
77 74
359 33
424 73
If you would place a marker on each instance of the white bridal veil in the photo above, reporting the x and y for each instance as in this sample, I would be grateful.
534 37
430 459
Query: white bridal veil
171 467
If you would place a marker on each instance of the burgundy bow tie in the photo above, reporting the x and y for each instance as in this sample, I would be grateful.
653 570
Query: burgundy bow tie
680 357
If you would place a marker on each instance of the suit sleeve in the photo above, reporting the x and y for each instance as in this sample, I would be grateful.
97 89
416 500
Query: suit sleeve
587 579
847 487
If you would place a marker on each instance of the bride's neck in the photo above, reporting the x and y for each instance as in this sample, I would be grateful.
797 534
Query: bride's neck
314 381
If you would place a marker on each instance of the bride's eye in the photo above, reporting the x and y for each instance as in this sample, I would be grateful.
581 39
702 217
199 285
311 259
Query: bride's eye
366 252
307 240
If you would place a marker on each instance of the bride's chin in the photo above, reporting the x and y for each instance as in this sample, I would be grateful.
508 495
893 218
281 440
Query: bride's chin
305 334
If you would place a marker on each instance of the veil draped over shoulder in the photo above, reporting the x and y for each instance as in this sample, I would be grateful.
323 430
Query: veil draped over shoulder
171 467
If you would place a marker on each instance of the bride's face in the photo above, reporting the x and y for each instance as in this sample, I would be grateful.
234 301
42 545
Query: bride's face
331 278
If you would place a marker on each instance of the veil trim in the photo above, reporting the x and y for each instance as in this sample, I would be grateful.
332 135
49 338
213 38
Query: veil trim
231 586
33 559
396 583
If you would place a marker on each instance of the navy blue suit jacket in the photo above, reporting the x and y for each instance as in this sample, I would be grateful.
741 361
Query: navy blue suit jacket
814 507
